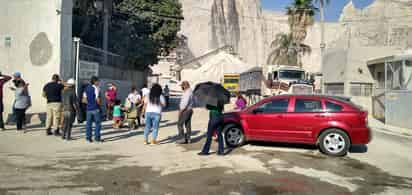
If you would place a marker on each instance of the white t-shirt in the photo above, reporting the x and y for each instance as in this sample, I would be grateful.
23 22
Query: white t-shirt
153 107
145 92
134 98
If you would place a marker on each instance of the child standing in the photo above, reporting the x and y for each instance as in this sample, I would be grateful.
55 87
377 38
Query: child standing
117 114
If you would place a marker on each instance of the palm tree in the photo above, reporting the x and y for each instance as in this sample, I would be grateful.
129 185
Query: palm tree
289 48
301 16
287 52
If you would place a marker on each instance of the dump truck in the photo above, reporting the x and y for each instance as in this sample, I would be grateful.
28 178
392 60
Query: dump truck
231 82
272 80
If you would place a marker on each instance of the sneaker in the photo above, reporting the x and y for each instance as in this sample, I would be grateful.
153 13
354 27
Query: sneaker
57 132
220 153
145 143
202 154
89 140
49 132
154 142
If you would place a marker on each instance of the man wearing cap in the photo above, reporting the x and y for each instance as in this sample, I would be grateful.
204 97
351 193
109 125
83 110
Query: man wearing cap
52 91
17 78
3 80
185 113
70 106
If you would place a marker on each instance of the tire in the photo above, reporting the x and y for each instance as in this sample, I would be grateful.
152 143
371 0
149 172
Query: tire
233 135
334 142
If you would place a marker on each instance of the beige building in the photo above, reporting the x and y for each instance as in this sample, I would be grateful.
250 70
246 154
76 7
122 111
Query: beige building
36 40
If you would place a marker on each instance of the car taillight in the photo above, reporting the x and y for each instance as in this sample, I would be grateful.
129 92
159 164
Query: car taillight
364 117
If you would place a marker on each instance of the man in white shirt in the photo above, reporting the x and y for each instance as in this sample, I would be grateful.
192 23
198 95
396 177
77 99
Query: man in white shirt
145 91
185 113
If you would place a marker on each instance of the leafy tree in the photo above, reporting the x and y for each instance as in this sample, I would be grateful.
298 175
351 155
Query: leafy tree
300 17
139 29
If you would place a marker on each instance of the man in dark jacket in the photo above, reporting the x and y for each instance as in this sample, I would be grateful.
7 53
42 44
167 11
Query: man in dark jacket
52 92
3 80
70 106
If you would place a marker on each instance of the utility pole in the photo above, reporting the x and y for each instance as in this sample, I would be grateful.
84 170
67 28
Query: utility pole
322 40
107 10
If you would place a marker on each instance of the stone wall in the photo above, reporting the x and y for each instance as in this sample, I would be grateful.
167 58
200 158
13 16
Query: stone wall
210 24
242 24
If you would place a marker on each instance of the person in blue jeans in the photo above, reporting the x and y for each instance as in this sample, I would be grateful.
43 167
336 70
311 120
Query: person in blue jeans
93 114
153 104
215 123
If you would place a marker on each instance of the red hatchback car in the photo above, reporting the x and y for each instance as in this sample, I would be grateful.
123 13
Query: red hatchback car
332 123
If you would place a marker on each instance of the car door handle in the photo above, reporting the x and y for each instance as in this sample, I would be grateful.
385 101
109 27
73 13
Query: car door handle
320 116
279 116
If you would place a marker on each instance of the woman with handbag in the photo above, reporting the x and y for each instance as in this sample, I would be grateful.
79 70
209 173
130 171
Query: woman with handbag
21 103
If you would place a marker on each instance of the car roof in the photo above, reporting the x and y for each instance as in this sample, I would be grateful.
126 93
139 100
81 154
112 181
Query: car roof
341 98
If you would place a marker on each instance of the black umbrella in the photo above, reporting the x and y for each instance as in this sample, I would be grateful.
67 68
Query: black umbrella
211 93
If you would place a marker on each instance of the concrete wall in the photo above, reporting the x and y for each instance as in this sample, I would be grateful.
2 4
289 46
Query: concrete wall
41 44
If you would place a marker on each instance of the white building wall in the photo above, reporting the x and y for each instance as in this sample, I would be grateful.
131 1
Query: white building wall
41 42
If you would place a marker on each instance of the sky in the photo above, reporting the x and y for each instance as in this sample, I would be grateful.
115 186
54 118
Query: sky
332 11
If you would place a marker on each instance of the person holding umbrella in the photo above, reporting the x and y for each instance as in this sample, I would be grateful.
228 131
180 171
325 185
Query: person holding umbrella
214 96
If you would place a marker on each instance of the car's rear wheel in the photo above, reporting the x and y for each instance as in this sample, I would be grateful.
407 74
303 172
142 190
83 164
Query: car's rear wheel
234 136
334 142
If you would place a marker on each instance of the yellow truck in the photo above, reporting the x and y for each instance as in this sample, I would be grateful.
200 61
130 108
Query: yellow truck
231 82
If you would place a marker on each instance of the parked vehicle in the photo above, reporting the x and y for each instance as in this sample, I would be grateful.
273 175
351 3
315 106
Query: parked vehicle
332 123
231 83
275 80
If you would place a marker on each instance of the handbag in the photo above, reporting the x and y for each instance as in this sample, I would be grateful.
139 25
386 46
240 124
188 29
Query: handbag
28 102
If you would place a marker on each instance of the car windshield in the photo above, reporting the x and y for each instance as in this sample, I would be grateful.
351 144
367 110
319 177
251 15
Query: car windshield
292 74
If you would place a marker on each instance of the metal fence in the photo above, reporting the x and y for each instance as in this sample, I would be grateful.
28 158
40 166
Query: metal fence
91 61
399 108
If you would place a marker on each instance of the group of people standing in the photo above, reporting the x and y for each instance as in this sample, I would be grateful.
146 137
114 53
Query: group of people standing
63 104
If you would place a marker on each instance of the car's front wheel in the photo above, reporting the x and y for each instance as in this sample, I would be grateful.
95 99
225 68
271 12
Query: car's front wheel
234 136
334 142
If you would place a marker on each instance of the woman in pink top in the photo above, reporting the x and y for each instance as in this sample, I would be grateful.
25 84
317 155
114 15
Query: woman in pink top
111 95
241 102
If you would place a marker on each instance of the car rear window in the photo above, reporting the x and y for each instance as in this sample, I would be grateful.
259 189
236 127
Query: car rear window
350 103
332 107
